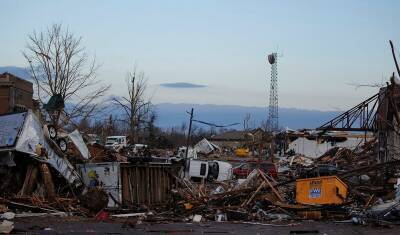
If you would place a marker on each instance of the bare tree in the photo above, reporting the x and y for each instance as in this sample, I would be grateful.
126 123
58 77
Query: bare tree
135 105
59 65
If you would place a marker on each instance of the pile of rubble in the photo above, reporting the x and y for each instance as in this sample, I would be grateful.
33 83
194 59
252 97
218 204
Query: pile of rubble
39 179
254 198
359 191
364 155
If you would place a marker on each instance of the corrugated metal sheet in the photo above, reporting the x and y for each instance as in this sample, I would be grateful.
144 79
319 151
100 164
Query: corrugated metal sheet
10 125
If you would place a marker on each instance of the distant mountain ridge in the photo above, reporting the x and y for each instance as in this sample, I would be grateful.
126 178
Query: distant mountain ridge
174 114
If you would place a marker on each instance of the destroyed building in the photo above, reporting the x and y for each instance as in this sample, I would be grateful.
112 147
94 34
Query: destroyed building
314 144
388 119
32 162
237 138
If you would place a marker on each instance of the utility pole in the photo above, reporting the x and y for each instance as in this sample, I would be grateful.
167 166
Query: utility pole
187 143
189 133
202 122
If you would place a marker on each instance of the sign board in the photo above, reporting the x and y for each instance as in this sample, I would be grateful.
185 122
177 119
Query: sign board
105 175
315 189
10 125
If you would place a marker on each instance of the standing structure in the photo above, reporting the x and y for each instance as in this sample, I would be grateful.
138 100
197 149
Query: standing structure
15 94
273 124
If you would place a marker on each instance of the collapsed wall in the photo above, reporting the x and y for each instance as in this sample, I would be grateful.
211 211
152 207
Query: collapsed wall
316 146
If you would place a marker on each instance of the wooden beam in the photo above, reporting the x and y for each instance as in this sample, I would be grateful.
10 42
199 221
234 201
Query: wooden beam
272 187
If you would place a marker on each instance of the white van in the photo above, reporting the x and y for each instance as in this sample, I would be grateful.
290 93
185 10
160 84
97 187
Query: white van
116 142
213 170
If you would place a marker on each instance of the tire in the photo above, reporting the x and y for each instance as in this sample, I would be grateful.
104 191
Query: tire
52 131
62 143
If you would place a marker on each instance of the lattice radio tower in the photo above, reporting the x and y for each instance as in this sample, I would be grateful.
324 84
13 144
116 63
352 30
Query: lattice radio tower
273 123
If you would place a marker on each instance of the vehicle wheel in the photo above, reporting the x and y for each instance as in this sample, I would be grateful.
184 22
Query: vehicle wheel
52 131
62 143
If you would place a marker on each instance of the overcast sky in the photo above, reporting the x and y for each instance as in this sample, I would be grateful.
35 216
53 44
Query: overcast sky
222 45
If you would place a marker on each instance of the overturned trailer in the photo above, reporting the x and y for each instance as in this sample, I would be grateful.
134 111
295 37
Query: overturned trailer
20 136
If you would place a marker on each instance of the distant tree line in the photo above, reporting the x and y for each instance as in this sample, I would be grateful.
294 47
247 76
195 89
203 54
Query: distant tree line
148 133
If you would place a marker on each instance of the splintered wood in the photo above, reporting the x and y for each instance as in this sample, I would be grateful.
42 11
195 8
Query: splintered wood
30 180
47 180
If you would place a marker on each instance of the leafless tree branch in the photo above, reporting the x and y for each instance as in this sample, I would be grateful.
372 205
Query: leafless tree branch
135 104
59 65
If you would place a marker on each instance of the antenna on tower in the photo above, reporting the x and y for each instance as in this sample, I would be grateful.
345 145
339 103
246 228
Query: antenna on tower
273 117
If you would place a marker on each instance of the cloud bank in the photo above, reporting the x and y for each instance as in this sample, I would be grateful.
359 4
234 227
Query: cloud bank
184 85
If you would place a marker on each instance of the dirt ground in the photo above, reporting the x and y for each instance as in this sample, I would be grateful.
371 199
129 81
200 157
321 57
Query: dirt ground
77 225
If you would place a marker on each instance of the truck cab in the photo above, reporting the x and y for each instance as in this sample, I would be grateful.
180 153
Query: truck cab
198 169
